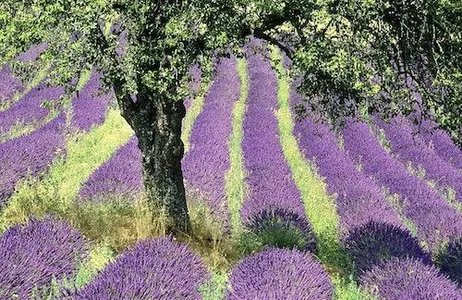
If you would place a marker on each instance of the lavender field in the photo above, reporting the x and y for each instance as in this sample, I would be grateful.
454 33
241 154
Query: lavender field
281 208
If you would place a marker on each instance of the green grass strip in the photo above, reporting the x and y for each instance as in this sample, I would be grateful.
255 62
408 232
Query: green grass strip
235 177
56 191
319 206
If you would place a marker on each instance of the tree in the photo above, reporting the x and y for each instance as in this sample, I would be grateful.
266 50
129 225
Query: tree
146 62
351 54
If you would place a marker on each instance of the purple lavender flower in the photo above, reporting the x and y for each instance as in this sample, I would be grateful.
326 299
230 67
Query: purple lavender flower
90 106
32 254
33 52
205 164
374 243
32 107
409 279
408 147
120 176
9 85
436 221
269 179
450 261
153 269
279 274
30 155
442 143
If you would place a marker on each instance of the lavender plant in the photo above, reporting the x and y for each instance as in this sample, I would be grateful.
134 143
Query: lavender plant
30 155
90 106
279 274
269 179
120 176
34 254
409 279
9 85
153 269
376 242
34 106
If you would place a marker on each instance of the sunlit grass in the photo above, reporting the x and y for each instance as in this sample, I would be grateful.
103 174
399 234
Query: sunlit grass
235 177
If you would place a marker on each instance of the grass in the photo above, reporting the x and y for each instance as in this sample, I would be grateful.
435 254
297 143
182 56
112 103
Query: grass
235 177
319 206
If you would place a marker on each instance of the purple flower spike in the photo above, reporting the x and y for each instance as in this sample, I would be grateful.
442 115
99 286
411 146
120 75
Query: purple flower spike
374 243
32 107
30 155
279 274
451 261
120 176
9 85
401 279
32 254
206 163
33 53
90 106
153 269
408 147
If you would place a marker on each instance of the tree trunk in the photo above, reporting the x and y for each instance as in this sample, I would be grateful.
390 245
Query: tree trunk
157 125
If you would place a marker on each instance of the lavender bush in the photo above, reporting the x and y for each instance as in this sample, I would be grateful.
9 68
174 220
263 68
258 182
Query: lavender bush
9 85
120 176
374 243
279 274
33 52
409 279
90 106
32 254
30 155
411 148
33 107
282 229
436 221
153 269
269 179
450 261
441 142
205 164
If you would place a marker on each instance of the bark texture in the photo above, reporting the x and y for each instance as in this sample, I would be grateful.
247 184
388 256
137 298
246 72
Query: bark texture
157 125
